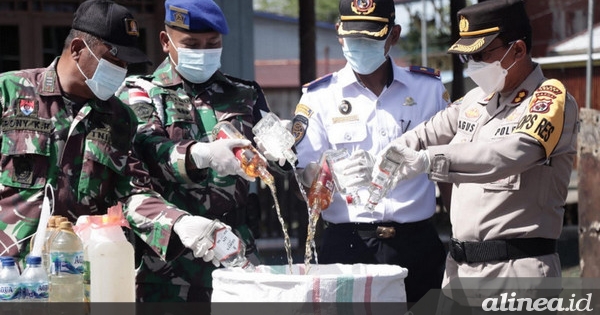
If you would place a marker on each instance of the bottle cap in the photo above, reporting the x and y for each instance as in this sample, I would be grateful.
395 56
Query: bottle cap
7 261
34 260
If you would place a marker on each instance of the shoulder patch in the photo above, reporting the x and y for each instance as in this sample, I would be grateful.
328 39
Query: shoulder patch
544 116
425 70
299 125
317 82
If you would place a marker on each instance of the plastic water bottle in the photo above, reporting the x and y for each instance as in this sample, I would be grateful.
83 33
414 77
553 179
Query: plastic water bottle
34 281
382 181
229 249
10 281
275 137
251 161
66 276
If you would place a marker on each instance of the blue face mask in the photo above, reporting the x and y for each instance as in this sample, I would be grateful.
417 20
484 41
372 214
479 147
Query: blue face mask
197 65
364 55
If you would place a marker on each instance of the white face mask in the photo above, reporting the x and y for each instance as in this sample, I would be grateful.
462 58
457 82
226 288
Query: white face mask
490 77
364 55
106 79
197 65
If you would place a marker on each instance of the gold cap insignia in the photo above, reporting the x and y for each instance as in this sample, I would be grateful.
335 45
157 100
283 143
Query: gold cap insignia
463 24
361 7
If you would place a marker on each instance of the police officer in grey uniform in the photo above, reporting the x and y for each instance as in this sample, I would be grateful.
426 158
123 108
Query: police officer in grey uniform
507 146
361 108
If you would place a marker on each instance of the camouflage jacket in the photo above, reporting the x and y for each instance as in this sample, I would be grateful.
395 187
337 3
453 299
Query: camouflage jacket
85 157
173 115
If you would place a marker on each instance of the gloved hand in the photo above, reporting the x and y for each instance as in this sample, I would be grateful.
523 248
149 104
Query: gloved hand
357 171
194 234
274 156
219 156
308 174
412 163
267 154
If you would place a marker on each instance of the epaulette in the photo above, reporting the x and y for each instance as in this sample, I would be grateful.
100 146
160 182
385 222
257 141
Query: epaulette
317 82
425 70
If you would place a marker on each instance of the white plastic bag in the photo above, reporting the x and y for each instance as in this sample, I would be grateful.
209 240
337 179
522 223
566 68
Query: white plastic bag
324 283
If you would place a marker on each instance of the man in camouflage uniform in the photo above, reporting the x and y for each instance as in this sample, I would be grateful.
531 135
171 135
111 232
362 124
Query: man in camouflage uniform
178 106
62 127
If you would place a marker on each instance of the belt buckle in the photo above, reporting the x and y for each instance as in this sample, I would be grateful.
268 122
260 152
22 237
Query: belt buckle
385 232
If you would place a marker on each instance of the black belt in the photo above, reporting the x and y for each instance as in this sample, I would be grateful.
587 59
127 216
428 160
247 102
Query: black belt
381 230
500 250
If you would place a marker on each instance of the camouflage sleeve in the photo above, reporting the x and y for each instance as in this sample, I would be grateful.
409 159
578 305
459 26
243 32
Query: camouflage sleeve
164 157
151 217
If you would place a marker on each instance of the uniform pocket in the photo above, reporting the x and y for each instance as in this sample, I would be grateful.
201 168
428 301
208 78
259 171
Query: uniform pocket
102 164
347 132
25 158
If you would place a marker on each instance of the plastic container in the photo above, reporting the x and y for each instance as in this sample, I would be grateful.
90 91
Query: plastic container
252 162
10 280
66 276
51 231
275 137
110 257
34 281
383 179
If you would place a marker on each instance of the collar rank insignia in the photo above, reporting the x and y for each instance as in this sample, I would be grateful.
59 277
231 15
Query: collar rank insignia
520 96
409 101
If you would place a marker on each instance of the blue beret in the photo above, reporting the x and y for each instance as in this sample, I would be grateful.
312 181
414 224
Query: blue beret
195 16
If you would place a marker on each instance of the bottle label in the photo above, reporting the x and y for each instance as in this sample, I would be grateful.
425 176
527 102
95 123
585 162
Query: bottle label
9 291
35 291
227 244
67 262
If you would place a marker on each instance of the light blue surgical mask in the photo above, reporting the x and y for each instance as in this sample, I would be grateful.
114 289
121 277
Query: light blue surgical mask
364 55
197 65
107 77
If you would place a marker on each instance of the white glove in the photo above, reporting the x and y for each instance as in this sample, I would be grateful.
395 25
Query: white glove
357 172
193 232
413 162
280 159
219 156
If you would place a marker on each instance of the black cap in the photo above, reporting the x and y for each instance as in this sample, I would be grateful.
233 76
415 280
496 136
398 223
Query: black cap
114 25
481 23
366 18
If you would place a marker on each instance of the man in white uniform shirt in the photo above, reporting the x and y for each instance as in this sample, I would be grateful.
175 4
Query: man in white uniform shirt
363 107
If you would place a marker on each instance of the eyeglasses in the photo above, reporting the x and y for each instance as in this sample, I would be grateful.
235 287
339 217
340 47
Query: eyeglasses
484 54
478 56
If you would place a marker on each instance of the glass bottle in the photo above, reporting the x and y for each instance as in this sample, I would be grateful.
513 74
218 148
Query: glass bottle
251 160
383 179
338 160
275 137
228 247
320 193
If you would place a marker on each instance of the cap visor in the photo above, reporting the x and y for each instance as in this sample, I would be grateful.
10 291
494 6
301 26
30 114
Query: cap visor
131 54
364 29
471 45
